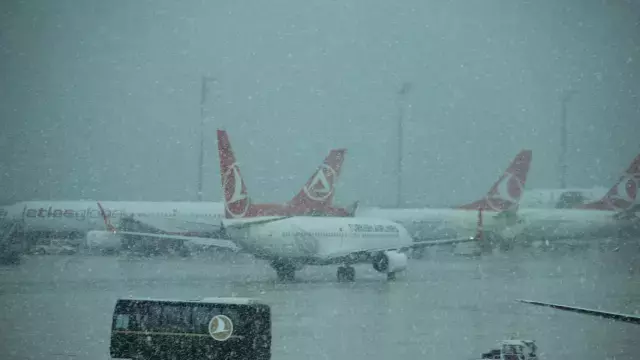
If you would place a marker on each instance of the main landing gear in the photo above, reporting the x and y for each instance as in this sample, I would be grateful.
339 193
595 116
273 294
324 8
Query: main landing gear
285 272
346 273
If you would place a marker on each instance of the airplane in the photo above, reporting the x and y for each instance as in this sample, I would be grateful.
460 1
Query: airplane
290 242
84 220
560 198
500 202
314 199
628 318
614 215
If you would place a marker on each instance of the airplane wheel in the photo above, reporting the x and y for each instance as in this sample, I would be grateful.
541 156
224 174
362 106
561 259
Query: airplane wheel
346 274
391 276
285 275
350 273
285 272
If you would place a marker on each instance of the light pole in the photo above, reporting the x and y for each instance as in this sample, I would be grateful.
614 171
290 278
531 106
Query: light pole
203 97
564 100
402 93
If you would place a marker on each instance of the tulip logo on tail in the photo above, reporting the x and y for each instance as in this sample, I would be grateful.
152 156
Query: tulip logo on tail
625 194
321 186
236 200
220 328
507 193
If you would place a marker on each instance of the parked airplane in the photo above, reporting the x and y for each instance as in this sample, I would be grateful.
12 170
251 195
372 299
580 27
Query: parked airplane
500 204
83 220
611 216
291 242
315 198
628 318
560 198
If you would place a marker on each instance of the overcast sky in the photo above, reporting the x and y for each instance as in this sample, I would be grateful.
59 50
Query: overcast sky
100 99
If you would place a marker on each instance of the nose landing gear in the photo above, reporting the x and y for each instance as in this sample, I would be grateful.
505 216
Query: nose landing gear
346 273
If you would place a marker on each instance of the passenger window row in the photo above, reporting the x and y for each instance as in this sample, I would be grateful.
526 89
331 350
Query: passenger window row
318 233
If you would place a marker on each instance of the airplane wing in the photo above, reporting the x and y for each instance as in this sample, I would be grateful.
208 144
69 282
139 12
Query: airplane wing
365 255
633 319
221 243
209 233
247 222
428 243
171 225
217 238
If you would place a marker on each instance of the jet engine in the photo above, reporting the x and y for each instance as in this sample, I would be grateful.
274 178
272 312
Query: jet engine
390 262
103 240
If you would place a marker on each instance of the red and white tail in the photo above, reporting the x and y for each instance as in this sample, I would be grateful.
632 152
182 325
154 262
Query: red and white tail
505 194
318 192
624 194
236 199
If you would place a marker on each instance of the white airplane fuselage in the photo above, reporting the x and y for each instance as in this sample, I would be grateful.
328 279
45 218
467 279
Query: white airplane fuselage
550 198
320 240
557 224
83 216
426 223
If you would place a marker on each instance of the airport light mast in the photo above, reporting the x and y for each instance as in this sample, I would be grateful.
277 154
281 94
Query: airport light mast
564 100
402 93
204 90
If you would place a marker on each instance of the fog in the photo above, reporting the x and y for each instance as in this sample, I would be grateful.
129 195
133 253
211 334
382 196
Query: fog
100 100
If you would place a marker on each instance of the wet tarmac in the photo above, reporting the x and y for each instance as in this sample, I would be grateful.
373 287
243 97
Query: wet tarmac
443 307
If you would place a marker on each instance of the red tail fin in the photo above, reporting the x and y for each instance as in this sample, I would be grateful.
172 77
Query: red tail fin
318 191
236 199
624 194
505 194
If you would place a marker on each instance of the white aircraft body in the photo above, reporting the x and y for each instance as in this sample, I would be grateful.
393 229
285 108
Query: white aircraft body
426 223
560 198
614 215
499 204
292 242
85 220
83 216
77 220
558 224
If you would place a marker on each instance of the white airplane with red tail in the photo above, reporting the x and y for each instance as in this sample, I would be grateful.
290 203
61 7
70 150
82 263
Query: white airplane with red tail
613 215
85 220
499 204
290 242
